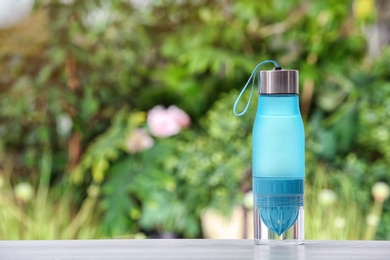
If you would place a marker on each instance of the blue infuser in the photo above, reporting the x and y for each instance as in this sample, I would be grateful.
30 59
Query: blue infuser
278 163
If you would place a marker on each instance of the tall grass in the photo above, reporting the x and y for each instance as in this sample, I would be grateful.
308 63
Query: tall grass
44 214
333 213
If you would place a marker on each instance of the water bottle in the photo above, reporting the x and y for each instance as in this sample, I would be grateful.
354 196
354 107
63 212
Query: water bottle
278 162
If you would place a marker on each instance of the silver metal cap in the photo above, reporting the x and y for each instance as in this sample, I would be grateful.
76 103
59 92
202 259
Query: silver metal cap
279 81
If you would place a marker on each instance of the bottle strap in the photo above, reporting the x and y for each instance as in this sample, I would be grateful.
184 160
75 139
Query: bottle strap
252 77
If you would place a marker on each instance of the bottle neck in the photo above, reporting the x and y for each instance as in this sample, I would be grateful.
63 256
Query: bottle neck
278 105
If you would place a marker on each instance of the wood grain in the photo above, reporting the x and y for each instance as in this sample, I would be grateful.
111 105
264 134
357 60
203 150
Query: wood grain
190 249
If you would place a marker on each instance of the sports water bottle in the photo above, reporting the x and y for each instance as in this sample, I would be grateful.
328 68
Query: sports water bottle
278 162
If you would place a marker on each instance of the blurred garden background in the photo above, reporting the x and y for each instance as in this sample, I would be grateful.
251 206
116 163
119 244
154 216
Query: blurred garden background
116 116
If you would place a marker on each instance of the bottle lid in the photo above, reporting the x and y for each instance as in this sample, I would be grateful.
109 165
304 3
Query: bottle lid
279 81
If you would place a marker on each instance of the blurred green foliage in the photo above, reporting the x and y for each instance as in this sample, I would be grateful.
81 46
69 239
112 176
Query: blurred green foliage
81 72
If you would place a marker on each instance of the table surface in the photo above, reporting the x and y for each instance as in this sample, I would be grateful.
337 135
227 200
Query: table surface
190 249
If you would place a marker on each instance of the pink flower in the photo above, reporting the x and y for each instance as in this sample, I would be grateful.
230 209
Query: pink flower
138 141
167 122
181 117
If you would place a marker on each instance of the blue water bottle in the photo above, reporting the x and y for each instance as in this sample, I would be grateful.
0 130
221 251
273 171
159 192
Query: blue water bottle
278 162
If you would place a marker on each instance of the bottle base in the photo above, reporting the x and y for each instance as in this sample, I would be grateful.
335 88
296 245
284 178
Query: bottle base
278 234
267 242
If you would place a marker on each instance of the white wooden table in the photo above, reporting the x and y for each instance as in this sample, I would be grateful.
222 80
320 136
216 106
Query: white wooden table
190 249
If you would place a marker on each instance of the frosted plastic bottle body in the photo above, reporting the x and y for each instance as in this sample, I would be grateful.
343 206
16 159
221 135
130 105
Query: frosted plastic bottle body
278 170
